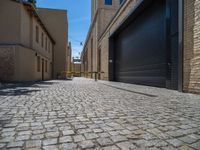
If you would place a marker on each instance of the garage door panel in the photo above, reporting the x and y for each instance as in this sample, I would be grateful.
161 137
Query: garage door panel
140 54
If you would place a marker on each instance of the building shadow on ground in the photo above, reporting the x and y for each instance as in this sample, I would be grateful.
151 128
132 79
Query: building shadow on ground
17 89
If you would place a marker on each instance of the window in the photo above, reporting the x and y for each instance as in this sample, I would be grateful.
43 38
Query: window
46 68
49 46
38 63
108 2
46 43
42 39
37 34
121 1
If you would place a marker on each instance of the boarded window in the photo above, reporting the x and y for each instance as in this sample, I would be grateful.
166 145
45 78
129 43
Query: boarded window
37 34
38 63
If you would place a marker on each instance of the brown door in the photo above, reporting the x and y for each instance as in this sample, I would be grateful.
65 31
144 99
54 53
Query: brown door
42 69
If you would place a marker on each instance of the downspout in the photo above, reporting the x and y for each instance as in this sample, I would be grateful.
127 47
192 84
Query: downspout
180 44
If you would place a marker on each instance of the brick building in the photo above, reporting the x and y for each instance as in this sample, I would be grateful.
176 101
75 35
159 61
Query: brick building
29 45
101 14
148 42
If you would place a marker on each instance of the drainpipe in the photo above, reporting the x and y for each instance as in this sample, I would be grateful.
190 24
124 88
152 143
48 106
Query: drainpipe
180 44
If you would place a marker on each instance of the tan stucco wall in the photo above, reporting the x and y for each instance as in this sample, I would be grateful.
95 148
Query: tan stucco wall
191 46
38 46
25 27
56 22
18 46
10 22
28 71
20 64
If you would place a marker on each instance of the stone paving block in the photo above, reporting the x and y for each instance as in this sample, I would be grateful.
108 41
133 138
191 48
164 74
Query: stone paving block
68 146
65 139
188 139
14 149
169 147
33 143
37 137
68 132
104 141
196 145
78 138
86 144
2 145
22 137
15 144
50 141
104 134
185 147
36 148
118 138
50 147
52 134
126 145
175 142
111 148
90 136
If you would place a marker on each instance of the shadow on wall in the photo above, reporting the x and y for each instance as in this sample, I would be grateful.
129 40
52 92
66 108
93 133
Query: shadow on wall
17 89
189 23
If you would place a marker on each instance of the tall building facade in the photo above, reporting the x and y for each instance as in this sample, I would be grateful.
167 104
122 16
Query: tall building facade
56 22
147 42
101 14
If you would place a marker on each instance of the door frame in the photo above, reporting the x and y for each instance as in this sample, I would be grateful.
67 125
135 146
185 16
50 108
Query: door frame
142 4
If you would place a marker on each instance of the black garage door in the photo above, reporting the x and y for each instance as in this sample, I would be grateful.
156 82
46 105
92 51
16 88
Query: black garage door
141 51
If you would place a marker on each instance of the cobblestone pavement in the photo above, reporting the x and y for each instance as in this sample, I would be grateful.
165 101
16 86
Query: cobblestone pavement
83 114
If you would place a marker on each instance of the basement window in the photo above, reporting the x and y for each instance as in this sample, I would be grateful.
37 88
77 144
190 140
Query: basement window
108 2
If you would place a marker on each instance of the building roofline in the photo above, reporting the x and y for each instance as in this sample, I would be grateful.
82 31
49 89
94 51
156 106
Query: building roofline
32 9
90 29
94 19
126 2
53 9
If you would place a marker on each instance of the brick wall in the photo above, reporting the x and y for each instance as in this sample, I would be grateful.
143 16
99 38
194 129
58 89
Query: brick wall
104 40
191 46
7 65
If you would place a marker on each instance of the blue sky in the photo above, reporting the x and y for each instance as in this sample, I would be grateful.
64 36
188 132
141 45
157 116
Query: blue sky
78 16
